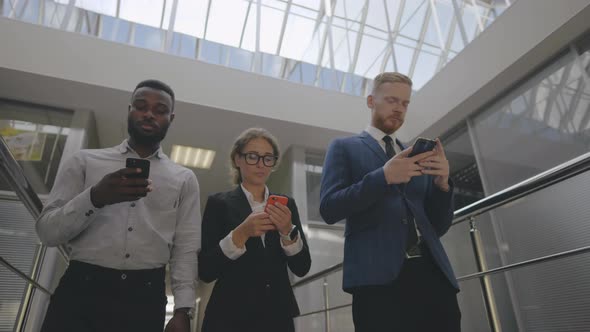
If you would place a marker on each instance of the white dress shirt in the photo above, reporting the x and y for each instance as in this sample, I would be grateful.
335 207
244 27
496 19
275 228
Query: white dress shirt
229 248
163 227
378 135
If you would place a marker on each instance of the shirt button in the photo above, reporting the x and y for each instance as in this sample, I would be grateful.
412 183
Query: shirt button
90 211
123 276
130 229
127 255
133 204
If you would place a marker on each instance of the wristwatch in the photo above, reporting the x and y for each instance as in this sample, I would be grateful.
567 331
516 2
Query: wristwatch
188 311
292 235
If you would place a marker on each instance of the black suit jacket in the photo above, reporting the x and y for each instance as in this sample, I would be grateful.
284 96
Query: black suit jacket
255 283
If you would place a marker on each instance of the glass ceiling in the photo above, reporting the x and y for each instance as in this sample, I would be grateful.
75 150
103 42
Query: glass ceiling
334 44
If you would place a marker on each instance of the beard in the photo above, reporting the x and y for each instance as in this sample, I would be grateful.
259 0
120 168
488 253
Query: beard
143 138
389 126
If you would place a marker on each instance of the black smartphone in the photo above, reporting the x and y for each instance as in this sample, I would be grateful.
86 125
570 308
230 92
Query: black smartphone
144 164
422 145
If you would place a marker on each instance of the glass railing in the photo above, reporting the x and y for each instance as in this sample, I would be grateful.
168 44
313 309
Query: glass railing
521 256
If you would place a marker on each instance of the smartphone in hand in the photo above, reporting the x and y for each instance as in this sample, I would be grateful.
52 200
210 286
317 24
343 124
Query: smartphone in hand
422 145
272 199
143 164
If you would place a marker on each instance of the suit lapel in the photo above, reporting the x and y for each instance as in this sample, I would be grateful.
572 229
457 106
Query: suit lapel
373 145
239 201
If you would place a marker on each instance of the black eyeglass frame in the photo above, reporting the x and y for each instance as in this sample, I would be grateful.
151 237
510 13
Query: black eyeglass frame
266 159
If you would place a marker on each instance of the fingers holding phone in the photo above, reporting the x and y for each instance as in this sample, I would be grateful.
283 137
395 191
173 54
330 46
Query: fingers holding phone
406 164
438 166
125 184
437 161
256 224
279 213
402 167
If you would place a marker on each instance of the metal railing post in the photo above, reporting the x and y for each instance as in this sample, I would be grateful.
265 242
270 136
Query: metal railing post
326 305
485 281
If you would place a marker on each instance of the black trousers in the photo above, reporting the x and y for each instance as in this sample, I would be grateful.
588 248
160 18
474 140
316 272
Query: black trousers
267 322
420 299
92 298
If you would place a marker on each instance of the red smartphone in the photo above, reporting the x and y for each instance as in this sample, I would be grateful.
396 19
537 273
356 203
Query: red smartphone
272 199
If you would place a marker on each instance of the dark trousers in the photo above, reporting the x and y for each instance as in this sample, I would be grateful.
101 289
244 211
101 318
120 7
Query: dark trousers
92 298
420 299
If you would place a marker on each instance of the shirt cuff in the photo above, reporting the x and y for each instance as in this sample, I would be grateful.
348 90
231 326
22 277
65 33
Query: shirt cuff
230 249
81 204
185 298
293 248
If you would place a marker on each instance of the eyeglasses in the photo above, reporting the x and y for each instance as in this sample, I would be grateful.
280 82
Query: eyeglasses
252 158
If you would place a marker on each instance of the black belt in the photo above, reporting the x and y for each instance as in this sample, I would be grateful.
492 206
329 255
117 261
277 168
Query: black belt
105 274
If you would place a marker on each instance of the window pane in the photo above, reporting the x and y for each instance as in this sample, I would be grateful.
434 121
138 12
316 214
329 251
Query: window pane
148 12
190 17
225 26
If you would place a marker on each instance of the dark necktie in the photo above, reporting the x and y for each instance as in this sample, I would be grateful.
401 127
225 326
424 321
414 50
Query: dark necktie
389 151
412 234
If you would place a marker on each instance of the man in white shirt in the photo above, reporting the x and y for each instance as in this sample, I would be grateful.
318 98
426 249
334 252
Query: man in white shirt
121 231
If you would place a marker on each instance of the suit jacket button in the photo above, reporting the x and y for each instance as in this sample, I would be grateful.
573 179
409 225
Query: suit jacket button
405 221
267 286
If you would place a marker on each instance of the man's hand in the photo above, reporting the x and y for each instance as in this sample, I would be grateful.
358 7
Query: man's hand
437 165
180 322
401 168
256 224
117 187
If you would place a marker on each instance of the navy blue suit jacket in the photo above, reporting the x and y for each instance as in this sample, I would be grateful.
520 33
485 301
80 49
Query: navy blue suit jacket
354 188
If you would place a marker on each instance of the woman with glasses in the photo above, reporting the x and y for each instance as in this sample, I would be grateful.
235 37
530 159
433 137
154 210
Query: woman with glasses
248 245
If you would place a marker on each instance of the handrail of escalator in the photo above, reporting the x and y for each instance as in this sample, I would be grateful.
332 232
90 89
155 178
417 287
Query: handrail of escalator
548 178
24 276
13 174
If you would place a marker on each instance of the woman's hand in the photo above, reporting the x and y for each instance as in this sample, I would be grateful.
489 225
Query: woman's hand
255 225
280 216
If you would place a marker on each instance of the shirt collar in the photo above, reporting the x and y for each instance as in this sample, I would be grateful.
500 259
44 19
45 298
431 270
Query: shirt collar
378 135
250 197
125 148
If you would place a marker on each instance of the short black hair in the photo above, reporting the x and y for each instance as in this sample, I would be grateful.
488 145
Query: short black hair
157 85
